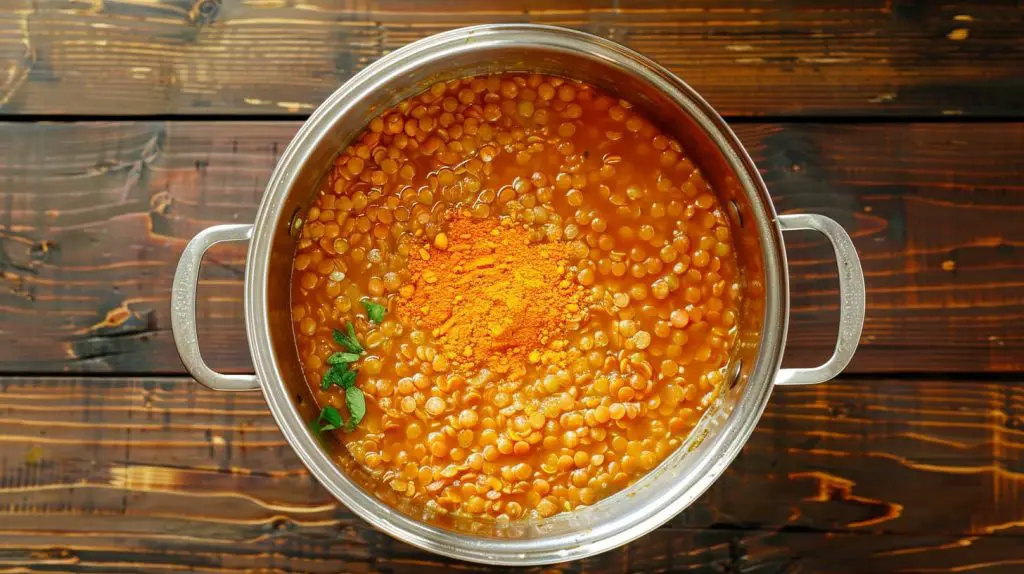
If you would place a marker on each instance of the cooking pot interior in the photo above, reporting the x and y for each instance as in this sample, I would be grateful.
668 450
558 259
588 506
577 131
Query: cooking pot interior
724 165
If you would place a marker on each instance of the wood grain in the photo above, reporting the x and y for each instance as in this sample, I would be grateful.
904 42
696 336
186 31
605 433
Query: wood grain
776 57
93 218
358 549
131 475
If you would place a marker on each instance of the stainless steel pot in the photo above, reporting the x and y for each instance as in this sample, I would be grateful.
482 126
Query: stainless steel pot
722 431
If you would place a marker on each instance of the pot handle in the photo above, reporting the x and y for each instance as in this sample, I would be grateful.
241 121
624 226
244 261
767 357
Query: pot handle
183 308
851 299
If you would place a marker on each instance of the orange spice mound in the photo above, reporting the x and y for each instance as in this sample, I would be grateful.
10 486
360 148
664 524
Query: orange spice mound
491 297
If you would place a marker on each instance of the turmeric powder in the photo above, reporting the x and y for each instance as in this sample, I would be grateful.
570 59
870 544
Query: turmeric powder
490 296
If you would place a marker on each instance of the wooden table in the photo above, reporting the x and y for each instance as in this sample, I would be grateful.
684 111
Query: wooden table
128 126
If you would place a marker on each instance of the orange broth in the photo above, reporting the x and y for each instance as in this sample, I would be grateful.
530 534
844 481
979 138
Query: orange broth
560 288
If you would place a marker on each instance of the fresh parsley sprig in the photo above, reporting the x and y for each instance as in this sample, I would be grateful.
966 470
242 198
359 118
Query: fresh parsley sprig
342 374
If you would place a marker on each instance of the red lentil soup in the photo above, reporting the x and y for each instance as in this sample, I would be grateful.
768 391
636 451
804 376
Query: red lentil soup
512 297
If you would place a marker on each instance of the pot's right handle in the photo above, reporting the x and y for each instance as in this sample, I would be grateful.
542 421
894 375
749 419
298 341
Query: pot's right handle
183 308
851 299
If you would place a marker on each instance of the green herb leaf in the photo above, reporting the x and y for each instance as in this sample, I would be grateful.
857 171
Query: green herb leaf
330 419
348 340
352 336
342 339
330 379
356 405
341 358
375 311
338 376
347 380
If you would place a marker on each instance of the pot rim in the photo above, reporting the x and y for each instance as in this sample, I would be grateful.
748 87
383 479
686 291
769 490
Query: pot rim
721 448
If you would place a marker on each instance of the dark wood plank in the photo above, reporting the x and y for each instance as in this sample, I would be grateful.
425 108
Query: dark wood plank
94 216
359 549
130 475
777 57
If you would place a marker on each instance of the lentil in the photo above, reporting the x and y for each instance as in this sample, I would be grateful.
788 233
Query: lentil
561 299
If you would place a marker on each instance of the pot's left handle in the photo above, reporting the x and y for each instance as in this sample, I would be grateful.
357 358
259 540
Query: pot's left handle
851 299
183 308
